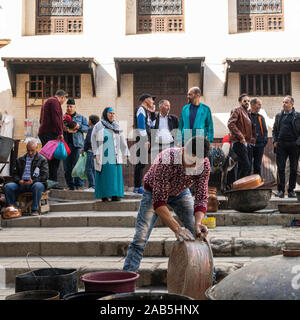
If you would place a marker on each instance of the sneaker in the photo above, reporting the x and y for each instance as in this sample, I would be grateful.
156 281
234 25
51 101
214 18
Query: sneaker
280 194
34 213
139 190
292 194
91 189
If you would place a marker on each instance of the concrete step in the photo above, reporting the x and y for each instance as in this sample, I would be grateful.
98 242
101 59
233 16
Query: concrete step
98 205
231 241
70 195
153 271
128 219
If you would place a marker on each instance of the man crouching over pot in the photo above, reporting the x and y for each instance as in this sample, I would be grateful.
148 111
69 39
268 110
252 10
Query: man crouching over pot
167 182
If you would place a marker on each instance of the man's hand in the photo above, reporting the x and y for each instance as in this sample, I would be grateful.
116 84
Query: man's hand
61 137
21 182
201 230
183 234
28 182
275 144
82 152
243 141
147 145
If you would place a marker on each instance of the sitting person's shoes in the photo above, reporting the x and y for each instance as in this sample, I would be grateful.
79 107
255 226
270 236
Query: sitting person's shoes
292 194
139 190
114 198
280 194
34 213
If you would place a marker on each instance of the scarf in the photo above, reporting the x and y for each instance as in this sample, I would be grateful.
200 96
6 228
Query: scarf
112 126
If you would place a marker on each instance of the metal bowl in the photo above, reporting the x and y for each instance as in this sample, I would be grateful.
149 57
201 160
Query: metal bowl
249 200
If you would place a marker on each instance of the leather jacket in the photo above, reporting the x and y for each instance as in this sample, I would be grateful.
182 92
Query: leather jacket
241 126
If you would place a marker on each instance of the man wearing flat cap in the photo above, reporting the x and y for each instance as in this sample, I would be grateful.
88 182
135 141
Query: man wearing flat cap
144 121
73 136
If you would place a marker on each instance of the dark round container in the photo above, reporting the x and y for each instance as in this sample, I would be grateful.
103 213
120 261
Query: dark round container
272 278
146 296
65 281
91 295
35 295
248 200
114 281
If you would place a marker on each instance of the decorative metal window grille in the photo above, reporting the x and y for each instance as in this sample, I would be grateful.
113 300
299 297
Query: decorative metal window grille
160 16
60 8
70 83
260 15
265 84
259 6
59 16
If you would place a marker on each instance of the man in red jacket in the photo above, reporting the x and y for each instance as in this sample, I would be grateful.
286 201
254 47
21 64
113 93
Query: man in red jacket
51 126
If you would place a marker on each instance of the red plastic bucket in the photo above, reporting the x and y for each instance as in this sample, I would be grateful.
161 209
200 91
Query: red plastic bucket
114 281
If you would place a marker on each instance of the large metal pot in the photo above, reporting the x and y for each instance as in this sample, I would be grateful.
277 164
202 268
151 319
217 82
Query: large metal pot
248 200
274 278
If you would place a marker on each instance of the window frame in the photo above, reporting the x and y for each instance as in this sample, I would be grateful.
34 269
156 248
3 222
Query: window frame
286 89
161 23
261 21
59 76
58 24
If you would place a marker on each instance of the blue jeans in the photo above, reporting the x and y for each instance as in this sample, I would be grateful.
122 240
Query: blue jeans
90 169
183 206
69 164
37 189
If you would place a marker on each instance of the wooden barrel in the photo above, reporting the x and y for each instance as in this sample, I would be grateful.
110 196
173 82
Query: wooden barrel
190 269
251 182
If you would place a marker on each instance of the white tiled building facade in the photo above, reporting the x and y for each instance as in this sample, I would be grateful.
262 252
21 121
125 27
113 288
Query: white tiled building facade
191 39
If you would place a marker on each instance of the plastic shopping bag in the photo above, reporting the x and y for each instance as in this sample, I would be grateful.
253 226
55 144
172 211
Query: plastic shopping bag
60 152
79 169
49 149
67 147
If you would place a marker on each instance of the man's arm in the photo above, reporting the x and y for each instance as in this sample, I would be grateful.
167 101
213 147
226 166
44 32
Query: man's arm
84 126
275 131
57 118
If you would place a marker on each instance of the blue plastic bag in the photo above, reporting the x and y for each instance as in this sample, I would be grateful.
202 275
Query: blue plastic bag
60 152
79 169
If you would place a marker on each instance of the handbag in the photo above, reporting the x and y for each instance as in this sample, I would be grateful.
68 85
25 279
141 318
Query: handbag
67 147
49 149
60 152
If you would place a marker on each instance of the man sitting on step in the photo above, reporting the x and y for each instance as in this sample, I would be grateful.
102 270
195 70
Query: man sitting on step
30 175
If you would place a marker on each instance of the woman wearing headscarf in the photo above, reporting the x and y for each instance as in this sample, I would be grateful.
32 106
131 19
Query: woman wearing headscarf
109 148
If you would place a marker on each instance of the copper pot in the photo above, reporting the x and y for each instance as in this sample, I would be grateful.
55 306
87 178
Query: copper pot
213 202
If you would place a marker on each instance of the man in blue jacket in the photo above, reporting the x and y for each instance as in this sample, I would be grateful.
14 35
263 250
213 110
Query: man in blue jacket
195 116
75 140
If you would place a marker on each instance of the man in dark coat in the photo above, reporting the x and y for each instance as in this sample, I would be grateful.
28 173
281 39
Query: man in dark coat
257 150
51 127
30 175
286 133
164 132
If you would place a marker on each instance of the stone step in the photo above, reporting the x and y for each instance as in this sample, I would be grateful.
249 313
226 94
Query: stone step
128 219
69 195
98 205
231 241
153 271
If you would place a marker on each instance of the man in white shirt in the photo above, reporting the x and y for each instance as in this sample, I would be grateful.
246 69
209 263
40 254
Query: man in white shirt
162 136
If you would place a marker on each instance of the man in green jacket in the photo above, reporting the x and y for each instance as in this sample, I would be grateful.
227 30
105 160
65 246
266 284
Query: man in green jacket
196 116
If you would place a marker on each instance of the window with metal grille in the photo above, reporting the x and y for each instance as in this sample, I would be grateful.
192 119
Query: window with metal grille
69 83
160 16
265 84
59 16
260 15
